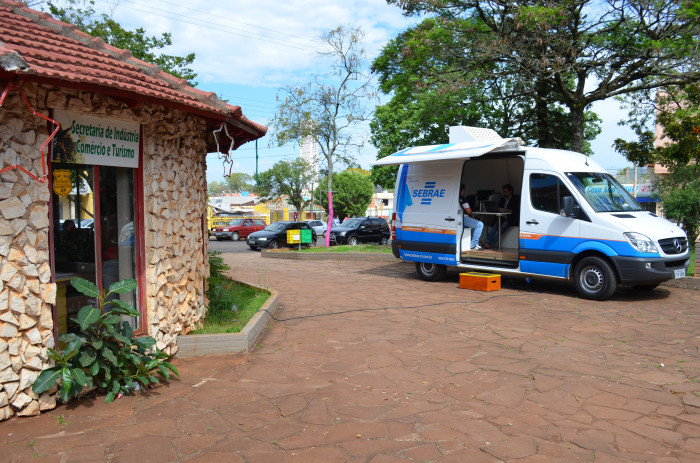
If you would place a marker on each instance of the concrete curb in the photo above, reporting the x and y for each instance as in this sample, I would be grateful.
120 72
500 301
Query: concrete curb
291 255
197 345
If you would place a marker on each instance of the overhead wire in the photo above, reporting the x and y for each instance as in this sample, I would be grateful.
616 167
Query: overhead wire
216 26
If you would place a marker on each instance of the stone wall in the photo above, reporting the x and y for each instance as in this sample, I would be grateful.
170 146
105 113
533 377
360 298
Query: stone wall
26 291
175 199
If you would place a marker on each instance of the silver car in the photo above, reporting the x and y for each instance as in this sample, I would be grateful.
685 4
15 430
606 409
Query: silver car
319 226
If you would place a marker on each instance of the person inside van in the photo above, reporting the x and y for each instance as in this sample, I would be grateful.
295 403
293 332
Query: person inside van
508 203
476 225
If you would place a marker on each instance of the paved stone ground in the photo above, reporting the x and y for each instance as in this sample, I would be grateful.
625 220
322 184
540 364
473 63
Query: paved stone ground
371 364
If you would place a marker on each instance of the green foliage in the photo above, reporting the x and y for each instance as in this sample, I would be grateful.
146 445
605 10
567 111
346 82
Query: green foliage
679 193
677 110
287 178
234 183
569 53
432 91
104 352
352 195
217 266
82 14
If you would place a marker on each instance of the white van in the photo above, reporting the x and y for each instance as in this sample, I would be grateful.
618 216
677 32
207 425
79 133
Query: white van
576 221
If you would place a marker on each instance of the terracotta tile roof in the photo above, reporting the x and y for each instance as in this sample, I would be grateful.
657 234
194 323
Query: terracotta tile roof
36 47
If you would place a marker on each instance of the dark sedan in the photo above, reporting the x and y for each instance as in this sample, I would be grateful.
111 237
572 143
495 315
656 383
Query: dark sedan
275 235
361 230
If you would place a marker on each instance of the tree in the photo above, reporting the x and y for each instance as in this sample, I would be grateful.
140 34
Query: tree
353 193
581 51
430 93
82 14
677 110
329 107
287 178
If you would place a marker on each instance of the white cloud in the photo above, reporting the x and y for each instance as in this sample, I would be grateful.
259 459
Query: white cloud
259 43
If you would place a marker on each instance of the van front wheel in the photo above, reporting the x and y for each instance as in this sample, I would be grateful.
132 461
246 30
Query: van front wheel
594 279
430 272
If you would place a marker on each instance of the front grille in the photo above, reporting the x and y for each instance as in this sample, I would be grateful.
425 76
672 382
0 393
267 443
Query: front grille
674 245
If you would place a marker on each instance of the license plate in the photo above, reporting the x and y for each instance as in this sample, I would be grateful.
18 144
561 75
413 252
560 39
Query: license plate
679 273
251 241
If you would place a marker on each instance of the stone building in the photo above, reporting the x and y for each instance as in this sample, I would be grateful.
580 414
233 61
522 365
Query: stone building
119 191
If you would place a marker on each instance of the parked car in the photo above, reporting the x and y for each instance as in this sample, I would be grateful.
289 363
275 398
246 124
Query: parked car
361 230
319 226
238 228
275 235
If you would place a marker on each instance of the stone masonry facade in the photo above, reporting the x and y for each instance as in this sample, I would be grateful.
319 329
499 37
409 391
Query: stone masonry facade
174 183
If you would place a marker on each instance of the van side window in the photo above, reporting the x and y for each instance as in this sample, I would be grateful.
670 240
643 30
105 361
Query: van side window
546 193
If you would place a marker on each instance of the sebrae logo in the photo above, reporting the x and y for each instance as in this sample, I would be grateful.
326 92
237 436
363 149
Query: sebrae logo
427 193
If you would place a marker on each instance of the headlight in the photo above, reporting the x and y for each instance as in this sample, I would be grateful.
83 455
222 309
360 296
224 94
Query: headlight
341 233
641 243
262 238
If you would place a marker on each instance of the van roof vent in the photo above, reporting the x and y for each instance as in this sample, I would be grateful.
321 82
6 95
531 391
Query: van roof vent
461 134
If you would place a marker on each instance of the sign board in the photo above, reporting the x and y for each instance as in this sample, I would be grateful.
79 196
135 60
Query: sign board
95 140
62 184
298 236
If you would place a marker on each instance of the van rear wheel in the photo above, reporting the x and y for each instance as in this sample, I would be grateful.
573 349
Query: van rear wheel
595 279
430 272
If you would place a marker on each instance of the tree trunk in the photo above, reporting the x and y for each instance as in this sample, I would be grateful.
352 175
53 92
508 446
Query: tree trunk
544 133
577 122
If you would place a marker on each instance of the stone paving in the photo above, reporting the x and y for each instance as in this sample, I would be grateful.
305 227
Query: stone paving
371 364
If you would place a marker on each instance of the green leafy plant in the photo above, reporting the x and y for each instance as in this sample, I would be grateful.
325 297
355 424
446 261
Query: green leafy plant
217 267
104 353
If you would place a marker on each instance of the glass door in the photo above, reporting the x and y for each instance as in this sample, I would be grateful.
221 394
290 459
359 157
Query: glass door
73 203
93 212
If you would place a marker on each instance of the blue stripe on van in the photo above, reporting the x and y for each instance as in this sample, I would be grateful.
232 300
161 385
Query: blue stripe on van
425 237
432 257
577 245
545 268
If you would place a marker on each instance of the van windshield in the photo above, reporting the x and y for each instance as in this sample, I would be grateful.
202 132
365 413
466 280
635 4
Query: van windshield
603 192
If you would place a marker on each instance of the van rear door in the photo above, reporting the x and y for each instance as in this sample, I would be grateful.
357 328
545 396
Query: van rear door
429 211
547 236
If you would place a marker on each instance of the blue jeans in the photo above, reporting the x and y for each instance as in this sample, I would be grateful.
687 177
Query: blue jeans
492 237
477 226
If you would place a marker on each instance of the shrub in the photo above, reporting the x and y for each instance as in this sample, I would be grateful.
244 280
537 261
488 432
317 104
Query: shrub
217 267
104 352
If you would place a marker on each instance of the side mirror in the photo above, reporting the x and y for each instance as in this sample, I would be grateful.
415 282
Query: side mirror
570 207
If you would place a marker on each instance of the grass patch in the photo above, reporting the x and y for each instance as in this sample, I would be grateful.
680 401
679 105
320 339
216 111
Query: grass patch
691 267
231 304
373 248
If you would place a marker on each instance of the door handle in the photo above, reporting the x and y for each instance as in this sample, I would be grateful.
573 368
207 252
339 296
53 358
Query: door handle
449 219
532 222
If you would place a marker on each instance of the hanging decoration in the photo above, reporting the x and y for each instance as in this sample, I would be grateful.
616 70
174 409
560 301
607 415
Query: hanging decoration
226 158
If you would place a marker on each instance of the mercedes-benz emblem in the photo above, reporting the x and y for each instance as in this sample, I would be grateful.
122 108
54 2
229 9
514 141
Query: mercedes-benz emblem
677 244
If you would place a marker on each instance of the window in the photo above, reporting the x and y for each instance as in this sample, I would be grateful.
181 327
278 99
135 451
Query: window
546 193
603 192
259 222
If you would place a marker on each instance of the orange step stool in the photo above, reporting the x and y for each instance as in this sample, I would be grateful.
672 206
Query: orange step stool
480 281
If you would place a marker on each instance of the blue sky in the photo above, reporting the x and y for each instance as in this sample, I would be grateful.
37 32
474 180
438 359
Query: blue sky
248 49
